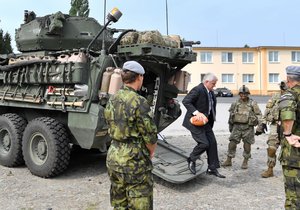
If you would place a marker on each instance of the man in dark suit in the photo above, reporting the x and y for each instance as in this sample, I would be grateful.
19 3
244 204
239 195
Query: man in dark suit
201 102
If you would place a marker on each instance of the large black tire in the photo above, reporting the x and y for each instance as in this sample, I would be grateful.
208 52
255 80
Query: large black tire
46 147
11 130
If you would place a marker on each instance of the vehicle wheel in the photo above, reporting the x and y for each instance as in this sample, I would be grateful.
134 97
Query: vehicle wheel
46 147
11 130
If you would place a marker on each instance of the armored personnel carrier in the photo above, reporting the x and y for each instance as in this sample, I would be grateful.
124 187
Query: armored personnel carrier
53 93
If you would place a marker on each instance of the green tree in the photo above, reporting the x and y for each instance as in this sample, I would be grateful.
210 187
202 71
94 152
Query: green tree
5 43
79 8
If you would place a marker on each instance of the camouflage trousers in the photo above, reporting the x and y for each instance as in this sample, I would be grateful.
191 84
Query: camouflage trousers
292 187
273 144
131 191
241 132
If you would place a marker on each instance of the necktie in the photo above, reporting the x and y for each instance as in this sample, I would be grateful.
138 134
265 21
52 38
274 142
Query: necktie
211 106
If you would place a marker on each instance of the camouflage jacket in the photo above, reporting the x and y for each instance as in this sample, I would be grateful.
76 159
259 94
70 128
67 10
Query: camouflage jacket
290 110
271 113
244 112
131 128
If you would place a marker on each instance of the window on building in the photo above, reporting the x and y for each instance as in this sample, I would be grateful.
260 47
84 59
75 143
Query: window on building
206 57
295 56
247 57
273 78
248 78
273 56
227 78
227 57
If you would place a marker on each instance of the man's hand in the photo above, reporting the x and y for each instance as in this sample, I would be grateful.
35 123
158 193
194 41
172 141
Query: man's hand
260 129
200 116
293 140
151 148
152 155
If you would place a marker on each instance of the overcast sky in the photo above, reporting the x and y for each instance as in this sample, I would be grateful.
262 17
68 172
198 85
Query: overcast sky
216 23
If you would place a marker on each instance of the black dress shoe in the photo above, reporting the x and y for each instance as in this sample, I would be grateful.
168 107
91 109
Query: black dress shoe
215 172
191 166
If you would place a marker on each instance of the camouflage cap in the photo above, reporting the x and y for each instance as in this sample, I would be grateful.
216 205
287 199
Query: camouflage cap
134 67
293 70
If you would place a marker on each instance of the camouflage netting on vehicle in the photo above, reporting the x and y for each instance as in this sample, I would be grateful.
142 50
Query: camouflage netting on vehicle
56 24
152 37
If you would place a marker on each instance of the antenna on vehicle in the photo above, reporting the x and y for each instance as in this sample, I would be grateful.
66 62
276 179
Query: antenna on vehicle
103 38
167 18
113 16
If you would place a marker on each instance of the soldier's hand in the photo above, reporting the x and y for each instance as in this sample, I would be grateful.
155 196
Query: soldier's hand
257 133
264 127
293 140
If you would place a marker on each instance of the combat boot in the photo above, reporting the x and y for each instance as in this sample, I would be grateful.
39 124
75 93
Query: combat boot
231 151
268 173
227 162
271 163
245 164
246 154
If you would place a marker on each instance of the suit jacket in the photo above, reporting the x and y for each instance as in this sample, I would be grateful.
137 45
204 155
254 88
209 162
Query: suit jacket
197 99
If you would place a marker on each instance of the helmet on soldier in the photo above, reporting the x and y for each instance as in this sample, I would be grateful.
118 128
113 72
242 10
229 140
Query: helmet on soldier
244 89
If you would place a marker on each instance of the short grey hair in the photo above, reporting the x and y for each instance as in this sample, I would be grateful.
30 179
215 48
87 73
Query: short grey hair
295 78
209 77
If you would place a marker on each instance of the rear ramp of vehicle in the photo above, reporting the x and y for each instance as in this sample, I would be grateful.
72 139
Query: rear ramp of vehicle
170 164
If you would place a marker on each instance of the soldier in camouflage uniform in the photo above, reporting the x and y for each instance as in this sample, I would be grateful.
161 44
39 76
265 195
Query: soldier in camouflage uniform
290 146
244 114
271 116
134 137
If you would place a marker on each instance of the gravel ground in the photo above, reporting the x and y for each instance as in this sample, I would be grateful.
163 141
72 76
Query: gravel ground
85 185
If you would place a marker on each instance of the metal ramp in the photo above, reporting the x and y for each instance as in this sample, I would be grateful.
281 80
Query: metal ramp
170 164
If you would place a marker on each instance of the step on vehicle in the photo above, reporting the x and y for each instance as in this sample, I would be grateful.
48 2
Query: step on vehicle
53 93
